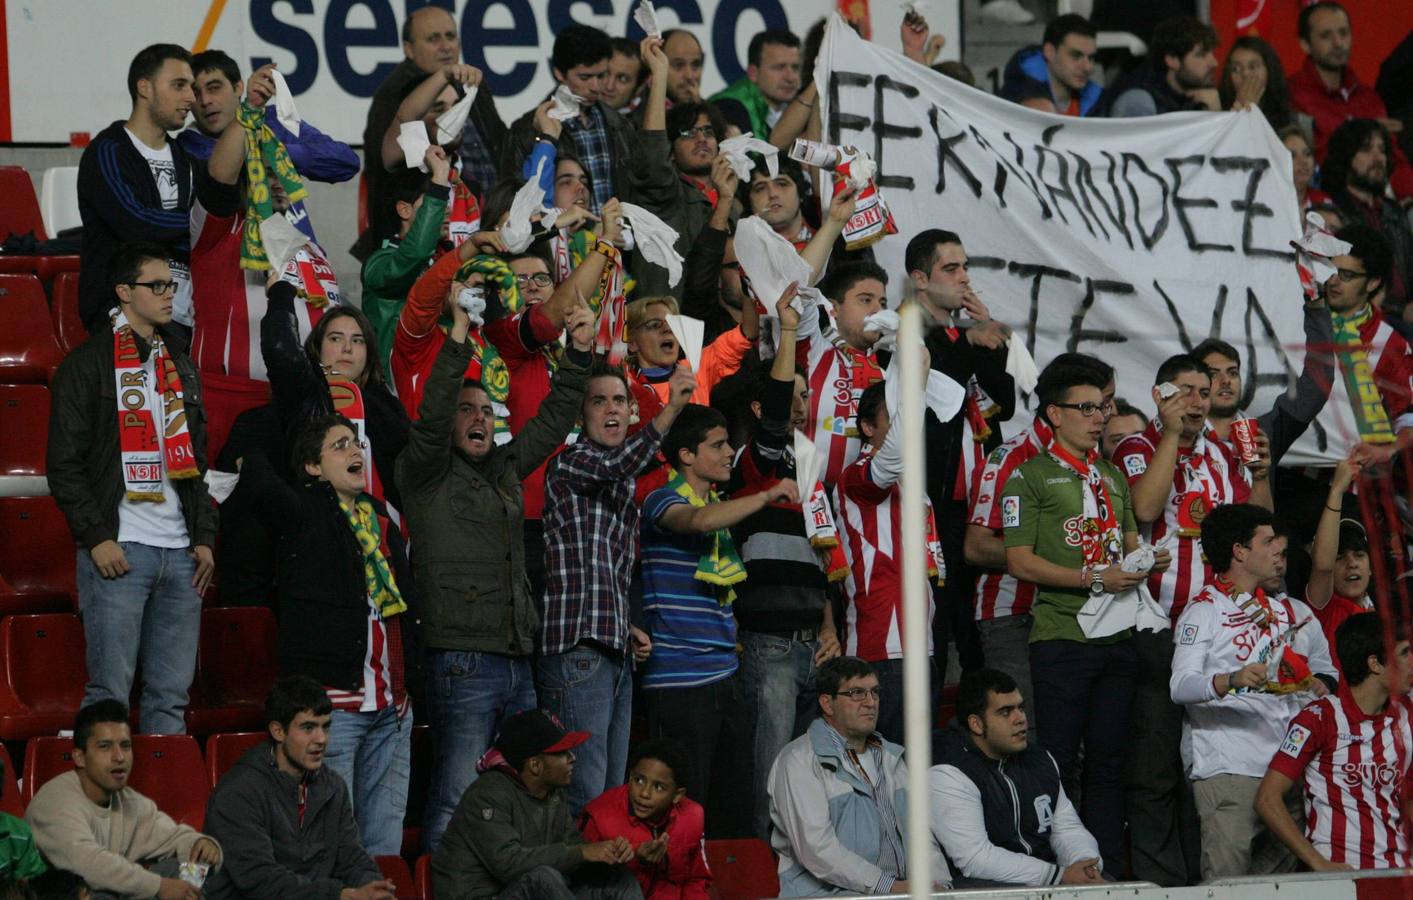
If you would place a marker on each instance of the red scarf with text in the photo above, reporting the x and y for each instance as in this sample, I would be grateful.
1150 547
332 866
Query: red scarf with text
141 387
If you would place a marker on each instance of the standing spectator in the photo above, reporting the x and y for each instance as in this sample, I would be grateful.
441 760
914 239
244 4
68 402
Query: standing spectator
1356 176
1252 76
584 671
685 61
998 808
1351 752
1243 668
344 592
136 184
626 74
1179 74
1126 420
1339 558
778 200
1327 90
1069 521
755 101
1061 67
283 817
88 821
838 796
480 620
127 450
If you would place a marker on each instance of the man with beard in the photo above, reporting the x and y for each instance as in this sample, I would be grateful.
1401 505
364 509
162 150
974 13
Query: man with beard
1181 73
1356 175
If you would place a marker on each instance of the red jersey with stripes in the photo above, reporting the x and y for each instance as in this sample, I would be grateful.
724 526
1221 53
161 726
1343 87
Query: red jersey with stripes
1392 362
998 593
837 375
382 671
1353 766
1207 474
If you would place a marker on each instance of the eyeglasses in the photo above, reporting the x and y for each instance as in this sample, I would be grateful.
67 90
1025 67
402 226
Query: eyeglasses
1085 409
156 287
705 131
1348 275
343 444
858 694
653 325
542 279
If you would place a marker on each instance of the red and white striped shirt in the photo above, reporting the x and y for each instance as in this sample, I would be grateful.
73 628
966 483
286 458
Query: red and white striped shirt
381 688
998 593
837 375
1392 362
1207 467
870 523
1353 766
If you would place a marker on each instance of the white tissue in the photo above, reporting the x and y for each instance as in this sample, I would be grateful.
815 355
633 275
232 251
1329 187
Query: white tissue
861 170
771 263
656 240
1107 614
1020 365
472 301
281 241
566 104
646 17
530 199
220 485
736 149
451 123
412 138
284 103
689 333
885 322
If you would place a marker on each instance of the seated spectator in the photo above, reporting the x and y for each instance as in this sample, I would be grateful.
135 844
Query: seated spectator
1339 558
284 817
137 184
91 823
653 813
344 594
1355 174
838 796
626 74
998 807
1252 76
1179 74
1355 817
129 481
1243 667
1062 66
755 101
1302 162
19 858
513 836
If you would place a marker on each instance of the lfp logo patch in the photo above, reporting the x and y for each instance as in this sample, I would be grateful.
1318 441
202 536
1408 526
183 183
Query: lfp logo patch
1010 512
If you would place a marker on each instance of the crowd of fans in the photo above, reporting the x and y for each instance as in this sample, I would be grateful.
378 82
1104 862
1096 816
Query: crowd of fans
641 602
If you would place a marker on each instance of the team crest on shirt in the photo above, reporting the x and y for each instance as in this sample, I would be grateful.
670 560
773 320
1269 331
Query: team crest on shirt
1135 465
1295 739
1043 813
1188 636
1010 512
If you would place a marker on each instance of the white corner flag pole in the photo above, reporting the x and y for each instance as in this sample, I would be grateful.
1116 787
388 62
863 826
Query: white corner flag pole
917 711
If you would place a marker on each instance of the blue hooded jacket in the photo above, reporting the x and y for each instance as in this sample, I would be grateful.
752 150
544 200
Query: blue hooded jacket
1026 73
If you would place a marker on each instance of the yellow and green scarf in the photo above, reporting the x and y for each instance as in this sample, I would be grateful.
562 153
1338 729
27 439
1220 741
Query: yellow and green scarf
1369 412
263 150
382 586
720 564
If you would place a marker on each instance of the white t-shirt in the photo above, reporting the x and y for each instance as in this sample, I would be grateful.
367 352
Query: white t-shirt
154 524
164 174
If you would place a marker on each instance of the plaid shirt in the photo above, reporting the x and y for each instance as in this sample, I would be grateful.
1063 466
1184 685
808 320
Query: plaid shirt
476 160
591 527
591 139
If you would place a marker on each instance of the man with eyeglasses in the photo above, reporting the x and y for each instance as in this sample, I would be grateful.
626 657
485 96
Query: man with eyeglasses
1068 521
1178 472
838 796
127 449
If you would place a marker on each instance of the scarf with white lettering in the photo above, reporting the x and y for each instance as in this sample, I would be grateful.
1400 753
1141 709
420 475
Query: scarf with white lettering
140 388
1100 539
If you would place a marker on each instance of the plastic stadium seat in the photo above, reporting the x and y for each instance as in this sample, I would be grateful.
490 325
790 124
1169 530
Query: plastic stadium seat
58 199
168 769
235 669
64 312
36 556
25 411
42 674
742 869
225 750
395 870
11 802
45 757
51 266
29 352
19 214
424 878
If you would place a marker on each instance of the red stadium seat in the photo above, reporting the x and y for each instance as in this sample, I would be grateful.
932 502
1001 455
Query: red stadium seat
11 802
25 435
395 870
235 669
19 214
225 750
37 556
53 265
362 203
742 869
45 758
42 674
424 878
168 769
64 312
29 352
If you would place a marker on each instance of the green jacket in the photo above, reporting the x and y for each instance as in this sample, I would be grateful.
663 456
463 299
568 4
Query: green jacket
392 269
19 859
745 92
660 189
466 519
498 833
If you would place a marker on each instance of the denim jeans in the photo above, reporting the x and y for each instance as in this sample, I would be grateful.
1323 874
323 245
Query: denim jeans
1005 642
468 696
372 753
589 690
777 680
152 616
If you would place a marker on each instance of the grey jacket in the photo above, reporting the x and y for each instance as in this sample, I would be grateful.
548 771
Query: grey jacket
466 517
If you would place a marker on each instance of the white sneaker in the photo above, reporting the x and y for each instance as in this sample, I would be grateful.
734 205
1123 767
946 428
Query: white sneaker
1006 12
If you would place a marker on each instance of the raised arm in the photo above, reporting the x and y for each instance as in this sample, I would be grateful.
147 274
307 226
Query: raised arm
1325 551
416 104
427 455
1150 490
817 251
555 418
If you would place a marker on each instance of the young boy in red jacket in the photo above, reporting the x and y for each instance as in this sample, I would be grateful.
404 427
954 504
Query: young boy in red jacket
665 828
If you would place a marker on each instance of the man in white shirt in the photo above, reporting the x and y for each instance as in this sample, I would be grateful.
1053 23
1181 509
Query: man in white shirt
1244 663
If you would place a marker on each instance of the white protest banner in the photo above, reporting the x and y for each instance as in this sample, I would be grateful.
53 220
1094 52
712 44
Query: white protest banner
1131 239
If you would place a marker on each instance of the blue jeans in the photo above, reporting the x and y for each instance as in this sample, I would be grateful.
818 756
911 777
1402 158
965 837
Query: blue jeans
591 691
777 679
468 696
150 615
372 753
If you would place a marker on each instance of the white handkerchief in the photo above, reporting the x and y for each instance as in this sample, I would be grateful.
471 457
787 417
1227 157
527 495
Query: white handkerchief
1320 247
770 262
1020 365
943 395
472 301
656 241
1106 614
220 485
530 199
862 170
566 104
917 6
689 333
807 462
284 103
451 122
736 149
281 241
646 17
412 138
885 322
